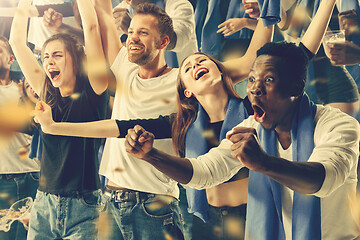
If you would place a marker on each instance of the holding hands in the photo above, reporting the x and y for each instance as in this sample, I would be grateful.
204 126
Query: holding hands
139 142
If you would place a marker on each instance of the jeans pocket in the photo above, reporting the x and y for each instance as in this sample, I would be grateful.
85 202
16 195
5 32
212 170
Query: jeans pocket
35 176
91 199
158 206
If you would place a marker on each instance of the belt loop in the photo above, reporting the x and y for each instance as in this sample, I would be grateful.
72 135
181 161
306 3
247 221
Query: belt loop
138 197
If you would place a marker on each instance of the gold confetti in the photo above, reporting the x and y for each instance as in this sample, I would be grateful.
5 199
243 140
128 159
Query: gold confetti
118 169
168 236
217 231
14 117
7 197
23 153
75 96
104 226
234 227
42 181
209 135
166 101
159 202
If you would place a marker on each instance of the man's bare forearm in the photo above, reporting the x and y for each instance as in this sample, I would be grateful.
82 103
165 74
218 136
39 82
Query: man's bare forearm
179 169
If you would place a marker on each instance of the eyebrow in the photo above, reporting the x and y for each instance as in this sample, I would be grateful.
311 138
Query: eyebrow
197 58
56 52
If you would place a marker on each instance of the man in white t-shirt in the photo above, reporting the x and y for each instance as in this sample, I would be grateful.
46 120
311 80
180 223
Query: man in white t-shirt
146 88
181 12
303 157
19 176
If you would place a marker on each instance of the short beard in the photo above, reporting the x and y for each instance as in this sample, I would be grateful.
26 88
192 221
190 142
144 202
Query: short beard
3 72
142 60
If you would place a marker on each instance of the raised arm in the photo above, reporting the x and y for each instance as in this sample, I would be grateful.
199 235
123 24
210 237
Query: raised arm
25 57
239 68
315 32
109 35
182 15
54 21
98 74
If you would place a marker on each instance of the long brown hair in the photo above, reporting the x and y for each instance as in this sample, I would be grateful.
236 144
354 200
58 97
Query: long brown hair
49 93
187 108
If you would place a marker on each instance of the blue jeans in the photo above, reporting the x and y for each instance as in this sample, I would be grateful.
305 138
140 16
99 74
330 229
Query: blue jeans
14 187
226 223
72 217
148 218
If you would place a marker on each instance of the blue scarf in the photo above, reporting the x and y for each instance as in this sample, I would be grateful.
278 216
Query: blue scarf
270 11
196 145
170 56
264 209
208 17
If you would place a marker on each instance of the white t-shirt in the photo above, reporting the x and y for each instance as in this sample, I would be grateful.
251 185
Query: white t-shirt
336 139
11 160
38 33
139 98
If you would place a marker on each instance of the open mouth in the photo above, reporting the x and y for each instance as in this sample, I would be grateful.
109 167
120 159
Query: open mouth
54 75
135 48
201 72
259 113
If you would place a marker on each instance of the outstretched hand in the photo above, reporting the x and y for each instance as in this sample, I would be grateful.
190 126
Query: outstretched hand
246 148
231 26
43 115
139 142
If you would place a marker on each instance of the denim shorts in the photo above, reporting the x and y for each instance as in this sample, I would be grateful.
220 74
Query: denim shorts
74 216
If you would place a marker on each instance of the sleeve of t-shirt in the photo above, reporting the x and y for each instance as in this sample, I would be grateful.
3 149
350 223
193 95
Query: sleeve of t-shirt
118 62
66 9
182 15
160 127
217 166
308 53
336 138
98 103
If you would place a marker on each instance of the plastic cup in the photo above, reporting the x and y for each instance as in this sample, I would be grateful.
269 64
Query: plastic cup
334 36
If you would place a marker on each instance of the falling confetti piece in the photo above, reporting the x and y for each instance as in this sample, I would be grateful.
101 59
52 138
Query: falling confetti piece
104 226
42 181
75 96
217 231
166 101
23 153
159 202
118 169
168 236
210 136
234 227
7 197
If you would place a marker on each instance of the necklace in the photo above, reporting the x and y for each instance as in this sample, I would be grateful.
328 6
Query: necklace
162 70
